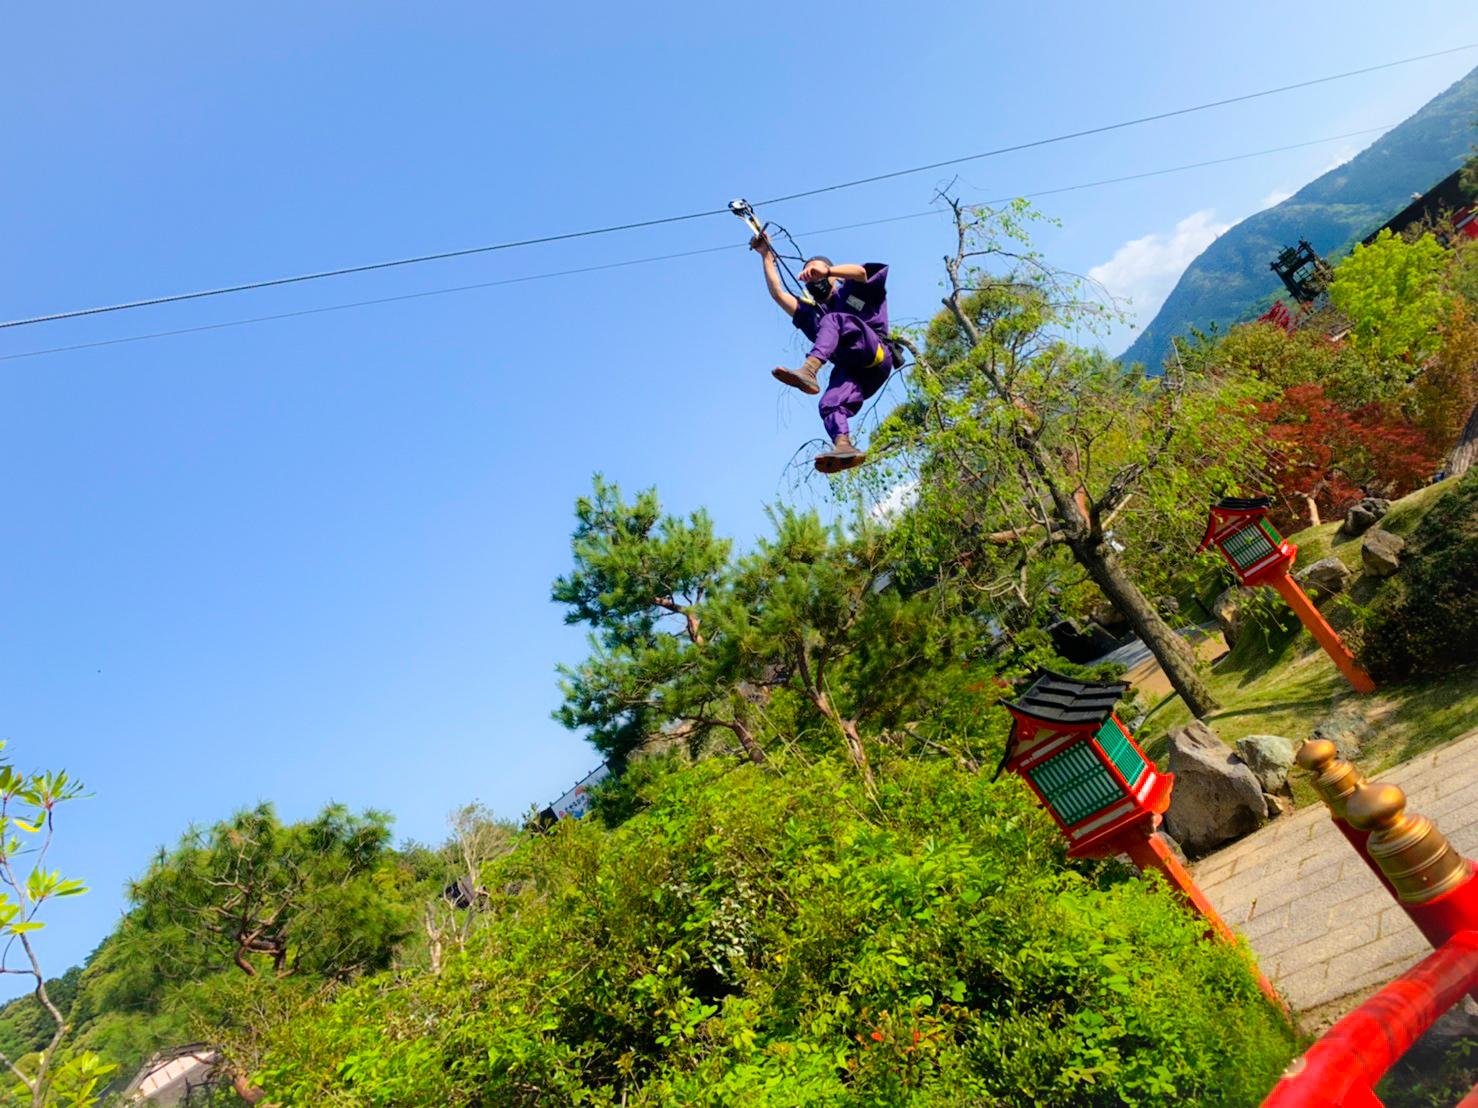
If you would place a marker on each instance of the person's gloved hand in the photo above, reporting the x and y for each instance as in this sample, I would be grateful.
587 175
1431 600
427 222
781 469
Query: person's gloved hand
815 270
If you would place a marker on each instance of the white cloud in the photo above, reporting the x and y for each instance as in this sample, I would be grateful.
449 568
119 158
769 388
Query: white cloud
1277 196
1144 270
1346 152
895 500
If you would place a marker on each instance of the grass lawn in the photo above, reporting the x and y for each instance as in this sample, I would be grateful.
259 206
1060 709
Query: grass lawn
1279 682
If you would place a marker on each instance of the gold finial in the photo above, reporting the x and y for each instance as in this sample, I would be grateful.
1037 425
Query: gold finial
1408 848
1334 779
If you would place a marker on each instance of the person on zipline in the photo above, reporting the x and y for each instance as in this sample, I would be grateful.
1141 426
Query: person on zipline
848 327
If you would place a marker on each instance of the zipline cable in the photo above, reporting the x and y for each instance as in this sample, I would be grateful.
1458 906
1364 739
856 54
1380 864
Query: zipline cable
659 257
370 267
1107 127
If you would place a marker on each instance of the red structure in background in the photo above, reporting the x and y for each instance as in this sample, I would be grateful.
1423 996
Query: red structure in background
1240 529
1278 316
1438 889
1070 748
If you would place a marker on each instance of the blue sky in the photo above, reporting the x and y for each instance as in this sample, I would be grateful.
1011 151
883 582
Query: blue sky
309 560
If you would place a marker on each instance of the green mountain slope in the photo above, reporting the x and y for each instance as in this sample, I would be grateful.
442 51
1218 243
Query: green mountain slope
1231 277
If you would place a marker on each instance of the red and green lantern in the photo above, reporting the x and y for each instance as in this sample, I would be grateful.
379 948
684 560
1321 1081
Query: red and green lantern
1080 760
1239 527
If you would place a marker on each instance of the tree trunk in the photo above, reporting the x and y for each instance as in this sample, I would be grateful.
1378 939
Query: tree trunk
857 751
246 1090
1170 650
1465 453
1314 520
747 741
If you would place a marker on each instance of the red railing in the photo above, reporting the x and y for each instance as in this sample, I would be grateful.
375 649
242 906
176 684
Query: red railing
1342 1069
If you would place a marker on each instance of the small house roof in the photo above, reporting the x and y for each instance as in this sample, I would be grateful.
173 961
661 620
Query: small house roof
1053 698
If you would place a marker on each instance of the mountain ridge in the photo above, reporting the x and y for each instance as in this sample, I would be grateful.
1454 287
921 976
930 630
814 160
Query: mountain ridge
1230 278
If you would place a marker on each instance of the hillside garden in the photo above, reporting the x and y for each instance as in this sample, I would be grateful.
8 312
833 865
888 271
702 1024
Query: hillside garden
805 886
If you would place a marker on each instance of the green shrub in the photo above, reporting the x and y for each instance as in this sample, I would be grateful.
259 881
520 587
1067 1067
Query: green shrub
1423 619
771 936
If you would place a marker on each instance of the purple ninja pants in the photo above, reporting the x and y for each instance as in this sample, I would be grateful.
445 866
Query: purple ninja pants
860 364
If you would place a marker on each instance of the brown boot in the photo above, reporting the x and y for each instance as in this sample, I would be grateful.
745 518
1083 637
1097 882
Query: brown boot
842 455
803 378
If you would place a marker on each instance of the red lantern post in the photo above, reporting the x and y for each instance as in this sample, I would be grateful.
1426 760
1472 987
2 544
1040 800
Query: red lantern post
1090 775
1240 529
1071 749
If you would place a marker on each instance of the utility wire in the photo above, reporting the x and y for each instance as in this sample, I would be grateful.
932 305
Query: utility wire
660 257
1191 165
1107 127
370 267
344 271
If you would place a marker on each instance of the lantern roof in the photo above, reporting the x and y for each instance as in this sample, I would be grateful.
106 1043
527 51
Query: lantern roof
1058 700
1233 506
1243 503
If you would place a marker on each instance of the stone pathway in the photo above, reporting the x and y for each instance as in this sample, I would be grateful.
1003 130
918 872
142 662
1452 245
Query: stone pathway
1323 927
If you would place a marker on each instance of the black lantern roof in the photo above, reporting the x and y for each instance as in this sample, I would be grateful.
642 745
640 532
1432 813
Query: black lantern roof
1053 698
1243 503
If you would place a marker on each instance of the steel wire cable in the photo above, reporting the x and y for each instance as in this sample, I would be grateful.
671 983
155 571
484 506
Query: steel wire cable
369 267
523 279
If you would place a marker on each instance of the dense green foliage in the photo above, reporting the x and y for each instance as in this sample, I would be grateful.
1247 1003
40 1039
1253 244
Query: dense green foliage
1372 413
1230 280
1423 620
770 935
294 904
1392 290
25 1026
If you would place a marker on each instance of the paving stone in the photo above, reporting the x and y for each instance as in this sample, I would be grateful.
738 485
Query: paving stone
1405 947
1333 944
1258 926
1393 920
1311 866
1300 988
1452 801
1304 890
1452 753
1337 984
1297 931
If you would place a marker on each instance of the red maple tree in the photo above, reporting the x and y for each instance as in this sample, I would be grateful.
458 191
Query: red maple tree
1325 458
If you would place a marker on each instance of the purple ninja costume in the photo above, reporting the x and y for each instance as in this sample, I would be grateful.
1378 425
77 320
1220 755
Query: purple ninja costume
850 331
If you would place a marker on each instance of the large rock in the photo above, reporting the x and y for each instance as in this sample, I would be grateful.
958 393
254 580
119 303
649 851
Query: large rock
1269 757
1324 578
1377 506
1215 798
1358 520
1366 514
1347 728
1230 610
1380 553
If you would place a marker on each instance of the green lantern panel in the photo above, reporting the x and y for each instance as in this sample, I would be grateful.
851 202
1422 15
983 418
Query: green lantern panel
1076 783
1249 546
1127 760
